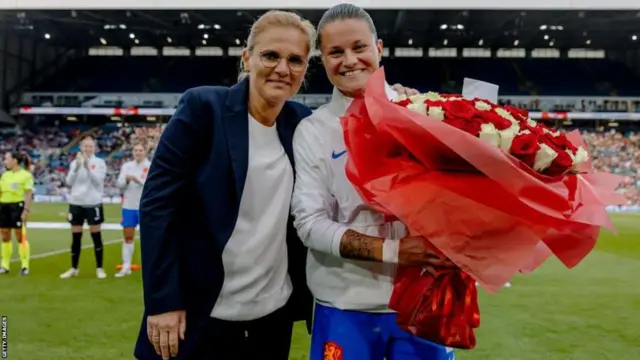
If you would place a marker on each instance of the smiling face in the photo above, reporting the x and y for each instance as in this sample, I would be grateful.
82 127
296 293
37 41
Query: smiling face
139 152
88 147
350 54
277 63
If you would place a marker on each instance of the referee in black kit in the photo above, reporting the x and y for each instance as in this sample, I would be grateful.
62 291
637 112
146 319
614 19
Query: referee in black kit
86 181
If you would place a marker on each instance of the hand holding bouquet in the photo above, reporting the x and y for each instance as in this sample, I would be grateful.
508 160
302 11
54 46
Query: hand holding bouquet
492 190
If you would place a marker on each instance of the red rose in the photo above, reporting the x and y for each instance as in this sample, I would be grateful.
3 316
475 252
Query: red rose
517 113
560 164
460 109
404 103
560 141
493 106
525 147
471 126
432 103
533 129
494 118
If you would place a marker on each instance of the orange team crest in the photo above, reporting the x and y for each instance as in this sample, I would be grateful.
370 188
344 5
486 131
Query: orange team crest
332 351
145 170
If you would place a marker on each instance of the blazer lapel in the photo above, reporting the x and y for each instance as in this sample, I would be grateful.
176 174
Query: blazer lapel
285 133
236 125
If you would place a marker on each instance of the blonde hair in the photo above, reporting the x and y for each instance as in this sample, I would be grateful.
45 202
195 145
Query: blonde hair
279 18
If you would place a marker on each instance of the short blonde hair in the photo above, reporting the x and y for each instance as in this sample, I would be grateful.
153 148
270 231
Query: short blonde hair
279 18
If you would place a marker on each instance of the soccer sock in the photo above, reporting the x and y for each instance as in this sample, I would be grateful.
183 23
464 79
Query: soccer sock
76 243
127 255
98 247
24 251
7 252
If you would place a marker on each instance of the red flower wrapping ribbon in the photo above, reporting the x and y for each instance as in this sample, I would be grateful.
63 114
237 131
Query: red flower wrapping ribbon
444 306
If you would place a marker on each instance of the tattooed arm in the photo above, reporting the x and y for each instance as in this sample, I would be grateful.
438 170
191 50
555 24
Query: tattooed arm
357 246
312 204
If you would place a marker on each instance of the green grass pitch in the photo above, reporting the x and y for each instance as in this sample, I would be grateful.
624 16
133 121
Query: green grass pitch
588 313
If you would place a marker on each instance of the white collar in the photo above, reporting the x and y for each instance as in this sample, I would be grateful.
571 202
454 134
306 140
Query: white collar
339 102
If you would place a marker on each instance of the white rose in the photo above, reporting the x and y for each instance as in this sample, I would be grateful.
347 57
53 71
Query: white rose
580 157
436 112
490 134
544 157
482 106
420 108
419 98
505 114
507 136
433 96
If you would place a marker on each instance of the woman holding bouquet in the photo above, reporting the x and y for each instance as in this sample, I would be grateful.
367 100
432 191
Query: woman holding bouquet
353 249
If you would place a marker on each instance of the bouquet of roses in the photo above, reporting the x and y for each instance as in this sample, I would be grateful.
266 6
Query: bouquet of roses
491 189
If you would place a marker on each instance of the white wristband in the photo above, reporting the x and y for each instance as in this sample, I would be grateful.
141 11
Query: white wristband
390 251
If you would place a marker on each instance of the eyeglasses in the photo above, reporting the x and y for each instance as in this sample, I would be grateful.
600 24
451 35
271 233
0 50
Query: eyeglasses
271 59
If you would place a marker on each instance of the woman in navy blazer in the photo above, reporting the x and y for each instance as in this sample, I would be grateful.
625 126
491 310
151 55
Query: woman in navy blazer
223 269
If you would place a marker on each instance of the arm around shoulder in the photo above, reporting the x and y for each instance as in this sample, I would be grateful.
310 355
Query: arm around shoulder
166 181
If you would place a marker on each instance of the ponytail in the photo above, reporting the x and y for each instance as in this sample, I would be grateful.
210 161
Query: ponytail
23 159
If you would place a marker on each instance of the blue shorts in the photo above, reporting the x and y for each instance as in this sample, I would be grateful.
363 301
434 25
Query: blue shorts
354 335
130 218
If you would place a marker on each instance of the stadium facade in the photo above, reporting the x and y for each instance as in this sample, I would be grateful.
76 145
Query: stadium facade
119 74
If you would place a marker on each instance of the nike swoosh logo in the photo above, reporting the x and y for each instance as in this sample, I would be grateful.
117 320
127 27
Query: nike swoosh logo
337 155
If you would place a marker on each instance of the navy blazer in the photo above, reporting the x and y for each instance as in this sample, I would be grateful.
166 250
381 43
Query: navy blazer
190 203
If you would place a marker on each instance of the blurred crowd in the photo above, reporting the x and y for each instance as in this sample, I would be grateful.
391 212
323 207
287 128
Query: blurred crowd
611 151
617 153
116 145
52 150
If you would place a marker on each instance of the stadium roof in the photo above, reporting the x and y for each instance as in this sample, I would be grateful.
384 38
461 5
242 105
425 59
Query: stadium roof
424 28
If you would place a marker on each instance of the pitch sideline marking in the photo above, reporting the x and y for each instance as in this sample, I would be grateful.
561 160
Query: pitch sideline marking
61 225
64 251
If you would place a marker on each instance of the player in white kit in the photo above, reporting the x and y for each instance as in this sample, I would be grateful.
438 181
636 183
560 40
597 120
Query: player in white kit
86 181
131 180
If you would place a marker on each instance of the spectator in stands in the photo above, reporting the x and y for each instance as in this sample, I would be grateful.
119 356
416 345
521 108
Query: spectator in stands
214 236
353 249
86 179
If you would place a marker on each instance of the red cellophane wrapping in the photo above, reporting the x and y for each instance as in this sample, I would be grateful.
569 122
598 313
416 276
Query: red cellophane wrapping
477 205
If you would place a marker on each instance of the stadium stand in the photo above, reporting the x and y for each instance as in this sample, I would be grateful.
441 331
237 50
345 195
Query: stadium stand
553 82
611 151
580 77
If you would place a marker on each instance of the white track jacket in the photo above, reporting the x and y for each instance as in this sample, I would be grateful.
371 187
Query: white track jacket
132 190
325 205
